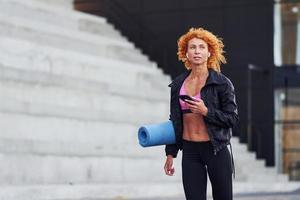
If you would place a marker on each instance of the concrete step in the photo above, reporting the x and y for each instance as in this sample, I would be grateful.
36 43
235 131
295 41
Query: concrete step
34 23
246 162
91 168
116 145
92 191
260 177
48 128
245 165
54 36
120 149
65 4
77 149
60 169
244 156
145 190
28 56
239 148
52 137
61 102
259 174
97 147
264 187
87 141
67 18
100 141
269 178
48 80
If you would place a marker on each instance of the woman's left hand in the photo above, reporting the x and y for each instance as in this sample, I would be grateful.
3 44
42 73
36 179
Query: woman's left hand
197 106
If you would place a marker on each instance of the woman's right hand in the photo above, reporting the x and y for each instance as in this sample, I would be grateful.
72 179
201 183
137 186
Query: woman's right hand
169 169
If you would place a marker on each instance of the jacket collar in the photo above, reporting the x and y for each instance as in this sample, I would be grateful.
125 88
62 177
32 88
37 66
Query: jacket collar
214 77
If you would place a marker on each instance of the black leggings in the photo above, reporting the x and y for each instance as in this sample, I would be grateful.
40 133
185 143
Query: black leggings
198 160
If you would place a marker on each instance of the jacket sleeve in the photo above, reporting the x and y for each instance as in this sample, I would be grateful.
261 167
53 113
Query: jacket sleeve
171 149
227 116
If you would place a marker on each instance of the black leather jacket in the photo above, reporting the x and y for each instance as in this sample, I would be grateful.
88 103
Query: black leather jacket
219 97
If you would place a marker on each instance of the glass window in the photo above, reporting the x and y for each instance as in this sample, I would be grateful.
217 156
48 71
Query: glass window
287 32
287 129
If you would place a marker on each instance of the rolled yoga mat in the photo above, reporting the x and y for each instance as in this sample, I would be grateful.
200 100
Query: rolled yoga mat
157 134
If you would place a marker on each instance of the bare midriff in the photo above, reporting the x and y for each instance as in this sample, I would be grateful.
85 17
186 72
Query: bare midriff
194 128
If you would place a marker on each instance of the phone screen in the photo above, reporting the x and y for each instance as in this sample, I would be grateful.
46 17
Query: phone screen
184 97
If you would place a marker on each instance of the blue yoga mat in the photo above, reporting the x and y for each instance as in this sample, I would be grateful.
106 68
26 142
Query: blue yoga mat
157 134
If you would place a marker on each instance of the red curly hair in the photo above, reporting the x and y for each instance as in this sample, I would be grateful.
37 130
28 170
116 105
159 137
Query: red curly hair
215 47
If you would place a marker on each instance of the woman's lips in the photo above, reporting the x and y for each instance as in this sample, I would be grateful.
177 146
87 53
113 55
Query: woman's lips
197 57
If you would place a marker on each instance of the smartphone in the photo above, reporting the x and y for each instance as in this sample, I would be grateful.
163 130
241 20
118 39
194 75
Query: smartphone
185 97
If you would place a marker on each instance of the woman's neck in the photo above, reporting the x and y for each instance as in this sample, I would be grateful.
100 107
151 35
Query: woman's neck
199 72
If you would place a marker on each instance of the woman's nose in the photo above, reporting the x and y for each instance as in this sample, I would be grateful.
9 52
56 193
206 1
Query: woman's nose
197 50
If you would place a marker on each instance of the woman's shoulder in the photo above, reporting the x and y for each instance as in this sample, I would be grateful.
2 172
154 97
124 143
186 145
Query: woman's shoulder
179 78
222 78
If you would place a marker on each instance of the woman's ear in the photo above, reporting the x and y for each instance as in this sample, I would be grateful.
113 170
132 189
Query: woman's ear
208 54
187 55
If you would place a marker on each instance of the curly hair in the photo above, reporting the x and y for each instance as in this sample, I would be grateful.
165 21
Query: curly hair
215 47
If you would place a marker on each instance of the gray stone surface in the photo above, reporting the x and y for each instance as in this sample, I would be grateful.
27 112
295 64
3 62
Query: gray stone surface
293 195
243 197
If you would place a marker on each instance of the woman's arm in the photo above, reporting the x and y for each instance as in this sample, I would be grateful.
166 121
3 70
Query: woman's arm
171 149
227 116
169 169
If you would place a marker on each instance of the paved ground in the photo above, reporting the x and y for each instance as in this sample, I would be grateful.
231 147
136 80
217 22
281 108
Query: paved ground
243 197
270 196
295 195
259 197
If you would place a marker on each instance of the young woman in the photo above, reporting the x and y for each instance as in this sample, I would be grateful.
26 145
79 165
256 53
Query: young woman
202 124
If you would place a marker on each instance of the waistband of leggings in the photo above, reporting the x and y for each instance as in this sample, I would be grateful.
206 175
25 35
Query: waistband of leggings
195 142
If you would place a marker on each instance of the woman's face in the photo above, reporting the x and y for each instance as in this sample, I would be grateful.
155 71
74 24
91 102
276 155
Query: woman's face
197 51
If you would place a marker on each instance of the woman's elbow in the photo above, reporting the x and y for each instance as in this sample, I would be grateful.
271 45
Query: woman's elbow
234 120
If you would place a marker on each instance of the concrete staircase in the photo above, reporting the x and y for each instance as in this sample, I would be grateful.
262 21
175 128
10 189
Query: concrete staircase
73 93
250 169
